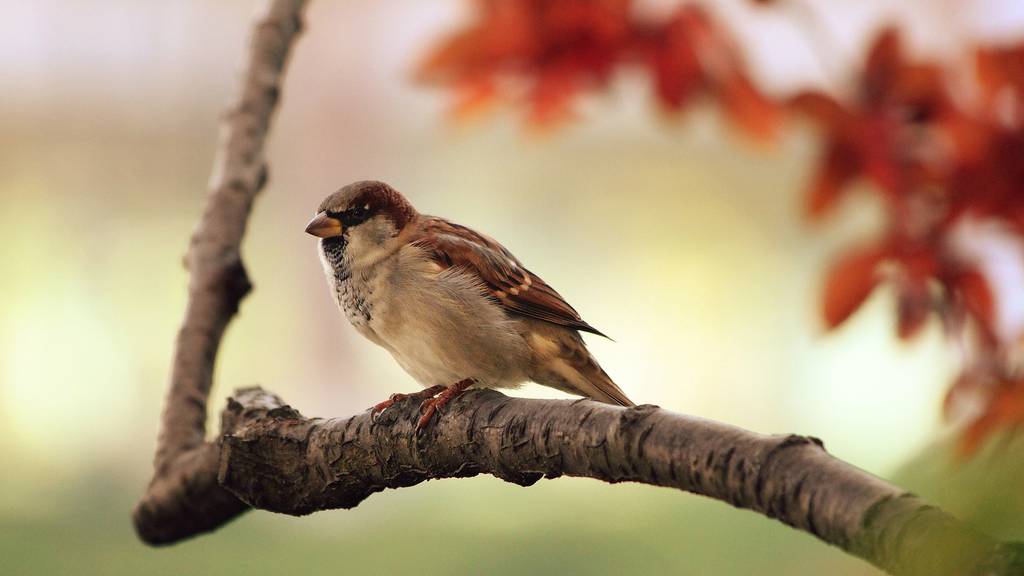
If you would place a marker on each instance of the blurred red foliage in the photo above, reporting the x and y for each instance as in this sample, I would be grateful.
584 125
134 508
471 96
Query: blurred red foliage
545 53
935 160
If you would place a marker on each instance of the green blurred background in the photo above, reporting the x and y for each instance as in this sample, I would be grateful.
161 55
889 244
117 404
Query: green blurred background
677 238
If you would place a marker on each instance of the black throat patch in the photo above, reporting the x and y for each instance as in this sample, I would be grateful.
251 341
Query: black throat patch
334 253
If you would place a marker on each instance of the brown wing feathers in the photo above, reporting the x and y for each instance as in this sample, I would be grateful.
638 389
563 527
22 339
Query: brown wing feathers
512 285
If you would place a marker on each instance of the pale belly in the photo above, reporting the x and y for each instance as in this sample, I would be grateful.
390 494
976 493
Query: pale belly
427 363
441 330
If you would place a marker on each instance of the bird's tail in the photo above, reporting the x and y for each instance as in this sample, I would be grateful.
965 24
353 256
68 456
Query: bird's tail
599 386
562 361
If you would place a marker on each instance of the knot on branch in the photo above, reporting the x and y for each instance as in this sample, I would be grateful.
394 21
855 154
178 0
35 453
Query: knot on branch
251 404
225 279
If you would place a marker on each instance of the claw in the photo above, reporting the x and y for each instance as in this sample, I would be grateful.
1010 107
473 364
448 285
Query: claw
377 409
431 406
425 415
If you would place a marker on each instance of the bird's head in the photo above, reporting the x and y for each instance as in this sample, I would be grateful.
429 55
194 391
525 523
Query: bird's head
360 221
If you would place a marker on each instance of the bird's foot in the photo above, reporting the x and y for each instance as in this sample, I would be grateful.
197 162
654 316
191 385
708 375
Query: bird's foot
429 393
430 407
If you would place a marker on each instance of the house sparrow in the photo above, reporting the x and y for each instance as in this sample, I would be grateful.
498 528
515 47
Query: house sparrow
454 307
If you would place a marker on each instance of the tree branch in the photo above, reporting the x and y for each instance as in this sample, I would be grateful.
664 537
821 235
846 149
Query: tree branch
269 456
218 282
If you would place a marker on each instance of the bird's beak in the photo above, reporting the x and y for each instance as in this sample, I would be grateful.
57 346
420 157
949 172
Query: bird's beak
323 226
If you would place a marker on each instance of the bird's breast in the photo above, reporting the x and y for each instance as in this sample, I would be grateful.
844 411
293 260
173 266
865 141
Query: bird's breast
438 324
355 301
355 296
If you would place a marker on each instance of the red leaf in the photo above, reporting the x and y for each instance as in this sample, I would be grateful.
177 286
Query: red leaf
748 109
1005 408
920 263
551 97
676 80
473 97
677 71
881 161
850 282
977 297
999 69
839 165
819 107
883 65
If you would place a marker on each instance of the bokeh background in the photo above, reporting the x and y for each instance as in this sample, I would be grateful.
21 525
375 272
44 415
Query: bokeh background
681 240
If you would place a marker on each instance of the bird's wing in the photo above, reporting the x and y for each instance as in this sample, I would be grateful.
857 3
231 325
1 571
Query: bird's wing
513 286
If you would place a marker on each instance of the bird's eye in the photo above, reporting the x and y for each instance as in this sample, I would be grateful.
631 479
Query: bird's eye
356 215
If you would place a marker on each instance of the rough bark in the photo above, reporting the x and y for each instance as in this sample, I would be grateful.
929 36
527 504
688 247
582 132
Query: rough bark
269 456
274 459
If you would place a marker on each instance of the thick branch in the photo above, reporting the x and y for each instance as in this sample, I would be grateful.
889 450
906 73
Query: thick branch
218 282
275 459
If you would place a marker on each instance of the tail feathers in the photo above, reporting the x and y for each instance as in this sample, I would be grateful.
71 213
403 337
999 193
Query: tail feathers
561 360
599 386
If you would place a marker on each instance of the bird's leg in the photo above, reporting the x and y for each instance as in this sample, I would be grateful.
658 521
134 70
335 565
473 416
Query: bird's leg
432 405
398 397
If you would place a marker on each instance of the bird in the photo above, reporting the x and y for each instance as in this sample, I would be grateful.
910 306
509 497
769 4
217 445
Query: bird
453 306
